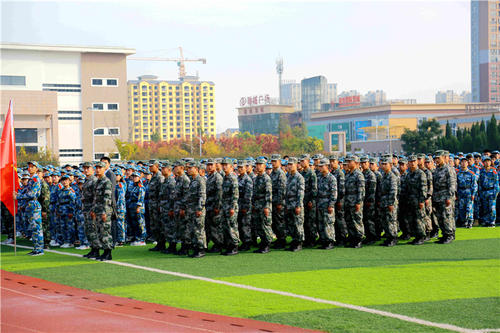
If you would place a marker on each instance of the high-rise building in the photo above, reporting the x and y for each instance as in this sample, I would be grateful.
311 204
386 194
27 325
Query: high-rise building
71 100
314 92
451 97
291 94
485 50
331 93
377 97
170 109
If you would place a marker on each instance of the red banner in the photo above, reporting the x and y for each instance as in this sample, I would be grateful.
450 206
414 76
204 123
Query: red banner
8 163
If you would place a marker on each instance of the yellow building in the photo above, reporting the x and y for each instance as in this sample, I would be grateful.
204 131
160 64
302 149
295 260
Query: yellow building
173 109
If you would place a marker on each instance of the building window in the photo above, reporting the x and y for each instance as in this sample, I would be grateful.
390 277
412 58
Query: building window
99 131
96 82
12 80
105 106
26 135
114 131
103 82
98 106
112 82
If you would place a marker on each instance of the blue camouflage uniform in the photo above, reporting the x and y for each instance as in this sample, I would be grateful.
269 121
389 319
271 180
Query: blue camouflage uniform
136 220
120 190
79 220
33 211
54 220
466 193
66 210
488 190
21 225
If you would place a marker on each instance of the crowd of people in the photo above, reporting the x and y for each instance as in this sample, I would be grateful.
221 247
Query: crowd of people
315 201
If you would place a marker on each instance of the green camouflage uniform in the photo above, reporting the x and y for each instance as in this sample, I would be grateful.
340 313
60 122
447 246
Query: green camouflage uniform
88 191
369 208
278 179
340 225
444 185
195 202
156 223
213 225
230 196
354 194
44 200
310 193
428 207
416 193
181 189
294 197
103 204
245 189
262 198
167 192
327 197
389 197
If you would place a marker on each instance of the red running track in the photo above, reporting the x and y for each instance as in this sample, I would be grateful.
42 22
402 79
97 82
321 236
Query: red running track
34 305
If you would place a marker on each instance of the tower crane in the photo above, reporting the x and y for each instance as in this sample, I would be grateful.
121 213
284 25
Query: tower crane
180 61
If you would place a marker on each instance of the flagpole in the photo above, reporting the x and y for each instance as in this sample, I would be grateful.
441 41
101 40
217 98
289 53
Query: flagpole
13 176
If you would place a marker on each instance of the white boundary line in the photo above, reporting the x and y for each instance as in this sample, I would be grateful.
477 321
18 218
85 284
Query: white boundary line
288 294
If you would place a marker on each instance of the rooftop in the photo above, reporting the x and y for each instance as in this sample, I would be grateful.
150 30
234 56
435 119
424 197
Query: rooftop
66 48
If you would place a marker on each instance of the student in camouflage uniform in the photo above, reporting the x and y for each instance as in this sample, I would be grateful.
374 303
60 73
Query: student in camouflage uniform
262 206
326 200
428 200
340 225
167 192
44 200
389 202
102 210
88 191
403 204
245 189
378 175
416 194
66 211
32 208
278 179
121 208
488 192
156 223
55 225
230 196
195 210
466 193
354 196
294 204
369 201
444 191
181 188
213 226
136 209
310 193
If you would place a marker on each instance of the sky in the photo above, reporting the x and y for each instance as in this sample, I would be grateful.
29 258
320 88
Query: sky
409 49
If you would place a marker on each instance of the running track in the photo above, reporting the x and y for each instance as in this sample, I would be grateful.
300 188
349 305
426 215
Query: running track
34 305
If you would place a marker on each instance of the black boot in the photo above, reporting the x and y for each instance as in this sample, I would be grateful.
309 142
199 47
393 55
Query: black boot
160 246
418 241
264 248
94 255
172 248
216 248
184 251
279 244
341 241
105 256
92 251
448 239
231 251
198 253
327 245
297 247
291 247
245 246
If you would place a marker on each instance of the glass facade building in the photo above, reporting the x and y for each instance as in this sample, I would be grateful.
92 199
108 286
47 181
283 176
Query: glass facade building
314 93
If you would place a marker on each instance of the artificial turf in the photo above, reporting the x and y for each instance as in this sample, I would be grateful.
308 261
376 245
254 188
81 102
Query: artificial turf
456 283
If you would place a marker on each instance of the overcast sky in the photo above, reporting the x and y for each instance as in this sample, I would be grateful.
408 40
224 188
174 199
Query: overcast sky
410 49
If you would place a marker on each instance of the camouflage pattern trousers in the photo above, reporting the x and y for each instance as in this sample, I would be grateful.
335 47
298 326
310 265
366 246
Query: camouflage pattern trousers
354 221
310 223
340 225
137 224
389 222
169 228
416 220
33 215
182 226
91 229
195 230
230 228
155 222
68 228
326 224
278 222
295 224
103 228
369 218
213 227
445 218
245 226
464 210
262 225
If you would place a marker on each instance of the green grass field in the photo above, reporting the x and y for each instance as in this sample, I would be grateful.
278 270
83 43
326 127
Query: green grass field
457 284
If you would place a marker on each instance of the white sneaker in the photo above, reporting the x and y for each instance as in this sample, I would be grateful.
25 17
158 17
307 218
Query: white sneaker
53 243
83 247
66 245
8 241
18 234
136 243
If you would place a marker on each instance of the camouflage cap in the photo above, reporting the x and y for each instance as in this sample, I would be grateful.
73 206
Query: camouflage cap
179 163
166 164
87 164
34 163
118 172
292 160
403 160
365 158
304 157
428 159
323 161
464 159
486 158
136 174
412 158
25 175
227 160
81 180
64 177
384 160
269 166
333 157
317 157
373 160
494 152
460 153
210 161
284 162
275 157
191 164
242 163
260 160
439 153
218 160
154 162
100 164
421 156
354 158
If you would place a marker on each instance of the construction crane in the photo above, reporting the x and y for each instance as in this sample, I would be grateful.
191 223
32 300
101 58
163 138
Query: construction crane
180 61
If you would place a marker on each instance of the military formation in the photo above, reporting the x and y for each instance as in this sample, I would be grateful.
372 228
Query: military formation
261 203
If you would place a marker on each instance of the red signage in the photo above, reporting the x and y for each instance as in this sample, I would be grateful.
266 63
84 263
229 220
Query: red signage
349 100
255 100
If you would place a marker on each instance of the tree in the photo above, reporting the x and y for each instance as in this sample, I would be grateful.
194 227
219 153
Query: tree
493 133
155 137
423 139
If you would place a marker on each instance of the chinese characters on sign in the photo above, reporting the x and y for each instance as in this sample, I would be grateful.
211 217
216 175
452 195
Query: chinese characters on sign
255 100
349 100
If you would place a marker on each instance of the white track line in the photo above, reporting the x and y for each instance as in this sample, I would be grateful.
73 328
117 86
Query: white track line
288 294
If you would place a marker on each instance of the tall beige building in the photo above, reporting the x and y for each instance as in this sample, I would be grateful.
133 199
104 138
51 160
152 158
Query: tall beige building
170 109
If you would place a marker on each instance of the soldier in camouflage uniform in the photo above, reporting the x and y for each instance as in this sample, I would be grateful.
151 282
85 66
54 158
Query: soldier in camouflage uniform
488 192
245 189
55 224
444 191
121 208
195 210
32 210
278 179
310 193
213 205
136 208
88 191
340 225
389 202
262 206
378 175
44 200
403 204
167 192
354 196
428 200
230 196
369 208
326 200
416 194
181 188
466 192
294 204
156 223
66 209
102 210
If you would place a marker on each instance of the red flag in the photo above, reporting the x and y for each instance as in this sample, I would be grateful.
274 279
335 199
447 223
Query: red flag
8 163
